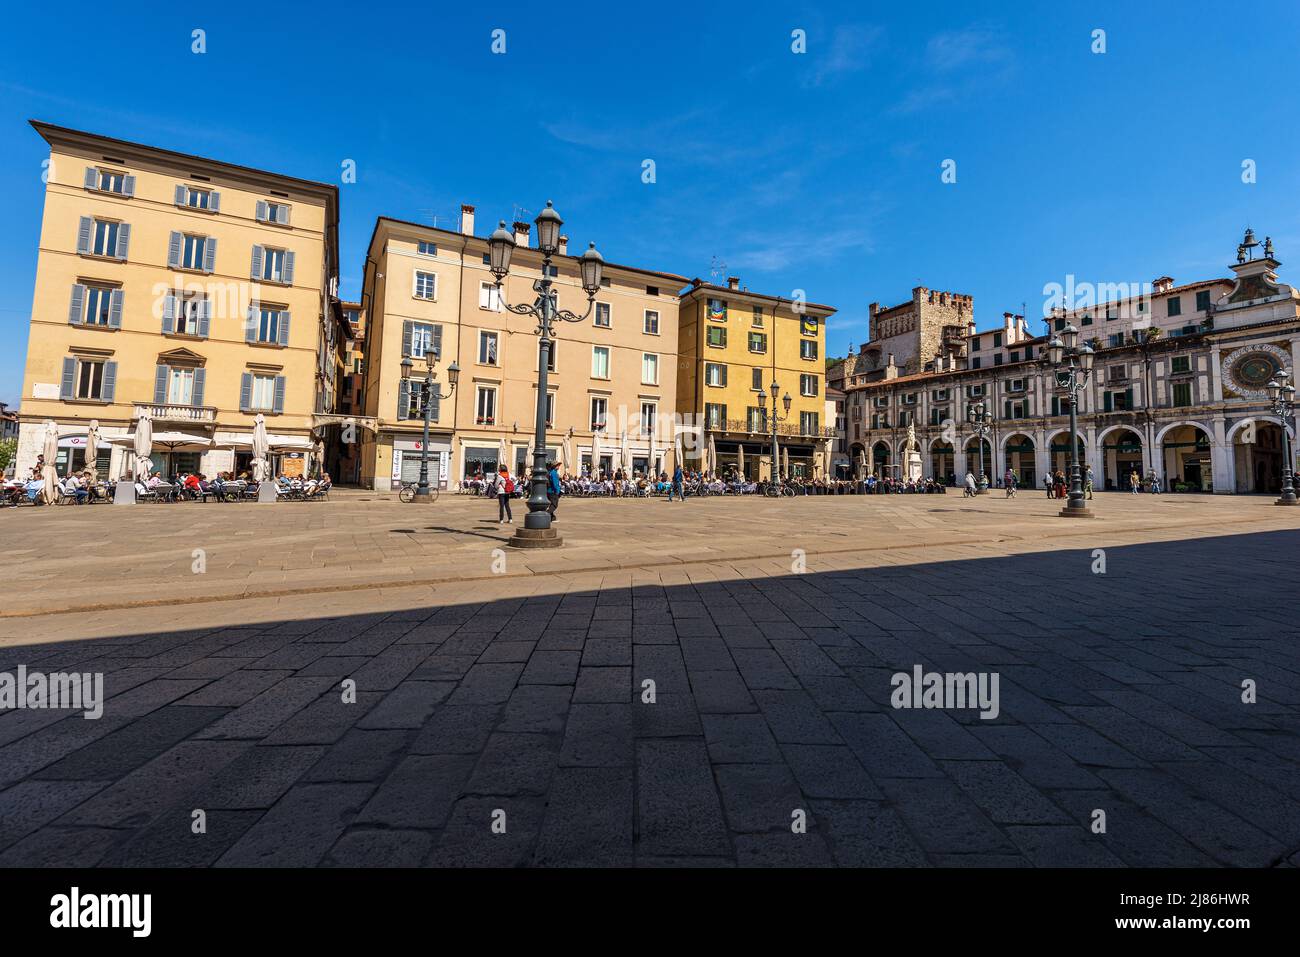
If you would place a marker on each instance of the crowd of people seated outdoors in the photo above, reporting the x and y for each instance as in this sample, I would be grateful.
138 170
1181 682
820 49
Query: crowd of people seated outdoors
84 486
619 483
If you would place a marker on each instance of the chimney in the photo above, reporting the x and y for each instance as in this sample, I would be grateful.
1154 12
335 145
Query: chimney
467 219
1163 284
733 282
564 245
521 233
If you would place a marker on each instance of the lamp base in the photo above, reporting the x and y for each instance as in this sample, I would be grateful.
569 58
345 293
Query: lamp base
1068 512
1287 501
535 538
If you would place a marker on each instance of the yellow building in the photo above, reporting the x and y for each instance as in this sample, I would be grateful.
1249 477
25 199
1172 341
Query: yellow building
734 344
612 387
199 291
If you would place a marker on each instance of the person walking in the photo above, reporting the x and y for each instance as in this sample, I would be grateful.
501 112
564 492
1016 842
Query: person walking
1087 482
505 489
1134 482
677 488
553 488
969 491
1009 482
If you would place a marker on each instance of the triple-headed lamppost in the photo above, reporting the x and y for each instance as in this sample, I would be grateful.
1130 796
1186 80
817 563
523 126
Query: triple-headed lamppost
979 418
776 419
1282 394
1072 365
537 531
431 356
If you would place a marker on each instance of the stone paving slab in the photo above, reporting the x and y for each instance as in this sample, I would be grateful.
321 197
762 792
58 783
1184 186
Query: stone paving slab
720 713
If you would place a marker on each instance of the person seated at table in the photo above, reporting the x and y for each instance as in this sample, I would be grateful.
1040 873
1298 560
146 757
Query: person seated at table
72 487
155 479
193 485
35 490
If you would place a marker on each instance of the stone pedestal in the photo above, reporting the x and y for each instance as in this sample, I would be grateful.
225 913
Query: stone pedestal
1068 512
535 538
914 466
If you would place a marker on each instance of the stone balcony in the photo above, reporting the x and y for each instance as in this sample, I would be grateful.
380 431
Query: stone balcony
193 414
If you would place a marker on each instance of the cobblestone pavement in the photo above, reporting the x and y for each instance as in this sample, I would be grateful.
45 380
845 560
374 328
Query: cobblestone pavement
506 721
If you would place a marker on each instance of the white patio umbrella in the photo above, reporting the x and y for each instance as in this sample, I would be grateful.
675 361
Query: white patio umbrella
51 451
624 455
503 455
261 448
92 444
566 454
785 462
740 460
595 452
712 464
143 446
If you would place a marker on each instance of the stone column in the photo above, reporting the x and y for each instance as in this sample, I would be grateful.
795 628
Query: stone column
1222 467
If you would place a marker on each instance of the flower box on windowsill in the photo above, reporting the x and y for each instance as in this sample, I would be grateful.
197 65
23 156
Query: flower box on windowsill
482 421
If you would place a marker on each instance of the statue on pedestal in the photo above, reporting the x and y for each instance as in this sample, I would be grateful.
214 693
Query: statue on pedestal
912 455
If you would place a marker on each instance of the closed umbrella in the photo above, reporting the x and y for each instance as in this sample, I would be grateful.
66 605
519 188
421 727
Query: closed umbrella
143 445
785 462
566 454
595 453
712 464
51 451
92 444
503 454
740 460
625 456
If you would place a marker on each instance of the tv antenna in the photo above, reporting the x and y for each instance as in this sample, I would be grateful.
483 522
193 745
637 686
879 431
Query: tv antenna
717 270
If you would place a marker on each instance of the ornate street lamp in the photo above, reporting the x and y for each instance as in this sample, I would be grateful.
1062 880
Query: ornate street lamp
1072 366
775 420
980 420
427 396
1282 394
537 531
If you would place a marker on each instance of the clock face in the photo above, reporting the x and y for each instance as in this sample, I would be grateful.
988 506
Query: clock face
1249 369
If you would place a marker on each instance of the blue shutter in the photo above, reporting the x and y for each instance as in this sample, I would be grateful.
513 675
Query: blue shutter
279 394
174 250
109 389
128 185
261 210
205 317
284 328
403 398
92 178
287 276
69 377
256 271
200 377
214 201
209 254
407 328
115 309
169 314
83 234
245 391
182 195
77 310
160 385
123 239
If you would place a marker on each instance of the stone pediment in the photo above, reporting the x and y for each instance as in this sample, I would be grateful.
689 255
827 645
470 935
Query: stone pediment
181 356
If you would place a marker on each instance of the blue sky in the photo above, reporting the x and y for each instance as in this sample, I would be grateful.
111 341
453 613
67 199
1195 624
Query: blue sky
818 171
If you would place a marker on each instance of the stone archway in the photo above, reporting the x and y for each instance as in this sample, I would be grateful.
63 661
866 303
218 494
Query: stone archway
942 465
880 459
1185 457
1018 455
978 458
1257 455
1121 456
1058 456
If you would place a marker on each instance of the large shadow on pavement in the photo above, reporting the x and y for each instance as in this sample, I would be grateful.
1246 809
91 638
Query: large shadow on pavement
726 723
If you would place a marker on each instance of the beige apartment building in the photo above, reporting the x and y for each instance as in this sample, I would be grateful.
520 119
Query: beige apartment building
198 291
612 386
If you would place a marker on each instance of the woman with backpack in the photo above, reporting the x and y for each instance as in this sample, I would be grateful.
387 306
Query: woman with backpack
505 490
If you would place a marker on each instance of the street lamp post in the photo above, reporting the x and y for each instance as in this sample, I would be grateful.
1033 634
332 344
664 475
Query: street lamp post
978 417
1072 366
1282 394
776 419
427 396
537 531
